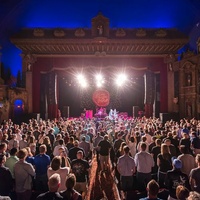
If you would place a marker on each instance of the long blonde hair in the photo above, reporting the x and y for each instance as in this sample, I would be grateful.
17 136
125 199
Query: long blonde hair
165 151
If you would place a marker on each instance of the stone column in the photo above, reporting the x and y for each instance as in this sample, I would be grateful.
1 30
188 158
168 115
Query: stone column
170 82
27 66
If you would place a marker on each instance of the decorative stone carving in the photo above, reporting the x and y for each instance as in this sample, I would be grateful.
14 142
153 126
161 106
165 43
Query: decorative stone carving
161 33
188 66
120 32
187 54
170 58
29 60
59 32
38 32
141 33
100 26
79 32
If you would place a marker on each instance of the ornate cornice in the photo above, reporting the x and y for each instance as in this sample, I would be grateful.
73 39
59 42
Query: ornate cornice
81 42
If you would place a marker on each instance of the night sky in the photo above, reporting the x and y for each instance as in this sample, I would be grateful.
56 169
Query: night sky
16 14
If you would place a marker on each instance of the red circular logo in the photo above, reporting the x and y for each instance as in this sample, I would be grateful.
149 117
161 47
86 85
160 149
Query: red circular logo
101 97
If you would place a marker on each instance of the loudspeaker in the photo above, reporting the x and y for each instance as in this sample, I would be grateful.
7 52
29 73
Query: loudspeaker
149 87
135 111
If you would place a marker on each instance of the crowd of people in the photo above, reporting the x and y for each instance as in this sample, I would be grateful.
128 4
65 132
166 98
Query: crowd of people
51 159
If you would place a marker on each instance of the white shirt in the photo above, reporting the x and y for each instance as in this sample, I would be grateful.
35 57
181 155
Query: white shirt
144 162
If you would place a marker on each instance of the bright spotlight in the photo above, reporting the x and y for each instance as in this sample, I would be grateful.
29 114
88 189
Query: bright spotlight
82 81
84 84
99 80
99 77
99 84
121 79
80 77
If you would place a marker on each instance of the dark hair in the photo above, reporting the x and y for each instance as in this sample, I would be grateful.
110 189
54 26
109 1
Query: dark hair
182 192
153 187
126 149
61 141
143 146
132 139
70 183
13 151
56 163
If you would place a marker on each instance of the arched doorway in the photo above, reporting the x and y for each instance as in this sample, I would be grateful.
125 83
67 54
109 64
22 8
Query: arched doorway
18 110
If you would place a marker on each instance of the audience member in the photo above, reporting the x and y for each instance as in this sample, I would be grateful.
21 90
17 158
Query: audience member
6 179
164 164
73 151
188 161
195 175
10 162
52 194
174 178
144 163
152 191
23 173
41 163
62 171
70 193
126 169
80 168
104 151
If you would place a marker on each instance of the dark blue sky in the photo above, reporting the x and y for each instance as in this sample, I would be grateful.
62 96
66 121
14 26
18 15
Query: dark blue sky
16 14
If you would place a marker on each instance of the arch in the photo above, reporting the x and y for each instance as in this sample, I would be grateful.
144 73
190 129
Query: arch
18 110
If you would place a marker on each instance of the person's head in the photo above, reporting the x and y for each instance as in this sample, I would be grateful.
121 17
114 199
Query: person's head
144 138
132 139
2 159
158 142
3 147
182 193
164 149
46 141
169 134
29 151
56 163
70 181
197 159
5 136
61 142
153 139
177 164
143 146
31 139
168 142
71 139
22 154
76 143
23 137
194 196
79 154
83 138
13 151
54 182
105 137
42 149
152 188
58 136
123 144
126 149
